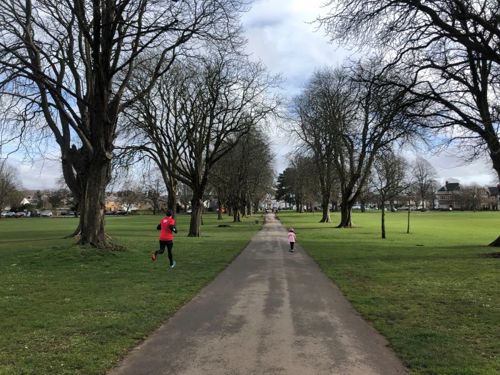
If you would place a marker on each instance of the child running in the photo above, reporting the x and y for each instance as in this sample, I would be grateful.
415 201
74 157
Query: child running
167 229
291 239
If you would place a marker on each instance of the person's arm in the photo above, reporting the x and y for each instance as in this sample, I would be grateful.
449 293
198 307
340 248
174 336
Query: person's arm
173 228
158 227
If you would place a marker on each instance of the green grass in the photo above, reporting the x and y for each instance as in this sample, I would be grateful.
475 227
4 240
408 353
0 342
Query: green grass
429 292
66 309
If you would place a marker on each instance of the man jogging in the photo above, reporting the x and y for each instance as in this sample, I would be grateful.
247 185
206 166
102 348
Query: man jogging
167 229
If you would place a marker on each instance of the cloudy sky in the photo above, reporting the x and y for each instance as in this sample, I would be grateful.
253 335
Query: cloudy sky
280 33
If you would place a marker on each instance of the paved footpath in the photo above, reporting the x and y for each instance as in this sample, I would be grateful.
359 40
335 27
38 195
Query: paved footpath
269 312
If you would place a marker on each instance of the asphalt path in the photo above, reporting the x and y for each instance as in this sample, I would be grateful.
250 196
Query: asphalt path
269 312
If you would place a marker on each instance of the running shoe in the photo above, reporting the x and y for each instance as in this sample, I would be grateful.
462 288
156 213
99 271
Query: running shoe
173 264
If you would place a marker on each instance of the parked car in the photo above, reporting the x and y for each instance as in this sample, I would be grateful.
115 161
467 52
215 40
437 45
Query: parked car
46 213
20 214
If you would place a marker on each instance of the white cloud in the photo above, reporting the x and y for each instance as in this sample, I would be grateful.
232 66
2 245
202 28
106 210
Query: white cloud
451 167
38 174
284 37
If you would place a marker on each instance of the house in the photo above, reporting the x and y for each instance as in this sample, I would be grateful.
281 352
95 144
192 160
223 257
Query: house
493 201
448 196
112 203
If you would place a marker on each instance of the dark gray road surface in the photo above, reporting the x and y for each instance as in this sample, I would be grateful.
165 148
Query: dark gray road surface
269 312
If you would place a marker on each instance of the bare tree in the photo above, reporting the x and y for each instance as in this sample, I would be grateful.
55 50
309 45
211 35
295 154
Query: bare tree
320 111
58 197
473 197
153 190
66 66
374 116
244 175
184 193
452 50
196 115
130 194
409 24
424 178
303 181
284 187
388 180
8 184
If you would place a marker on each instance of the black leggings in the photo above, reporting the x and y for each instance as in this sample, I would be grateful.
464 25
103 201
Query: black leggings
169 245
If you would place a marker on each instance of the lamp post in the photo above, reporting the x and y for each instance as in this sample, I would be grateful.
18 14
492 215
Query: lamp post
474 199
409 205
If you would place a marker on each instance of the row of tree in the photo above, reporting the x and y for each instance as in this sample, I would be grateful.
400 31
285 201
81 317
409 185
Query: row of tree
392 181
346 119
390 177
238 181
438 70
194 116
166 79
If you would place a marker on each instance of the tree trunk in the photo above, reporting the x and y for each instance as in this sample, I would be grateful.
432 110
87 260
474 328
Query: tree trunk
195 223
383 220
75 233
408 225
172 193
300 207
326 212
92 205
345 215
256 207
495 243
73 167
334 206
236 215
219 211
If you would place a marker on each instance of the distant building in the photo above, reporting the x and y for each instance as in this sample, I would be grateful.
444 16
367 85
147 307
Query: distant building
448 196
35 198
453 196
493 202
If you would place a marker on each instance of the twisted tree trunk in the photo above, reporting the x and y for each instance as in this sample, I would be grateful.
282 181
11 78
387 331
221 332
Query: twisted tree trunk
92 205
345 215
326 212
495 243
197 210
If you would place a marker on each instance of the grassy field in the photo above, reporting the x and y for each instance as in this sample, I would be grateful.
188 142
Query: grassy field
429 292
65 309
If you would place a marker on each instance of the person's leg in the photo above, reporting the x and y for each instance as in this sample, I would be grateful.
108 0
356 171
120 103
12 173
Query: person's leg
291 245
170 245
158 252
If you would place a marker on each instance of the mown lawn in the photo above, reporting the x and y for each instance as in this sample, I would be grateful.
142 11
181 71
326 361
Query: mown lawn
429 292
66 309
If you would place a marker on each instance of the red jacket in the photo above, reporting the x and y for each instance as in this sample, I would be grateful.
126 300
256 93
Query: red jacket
166 225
